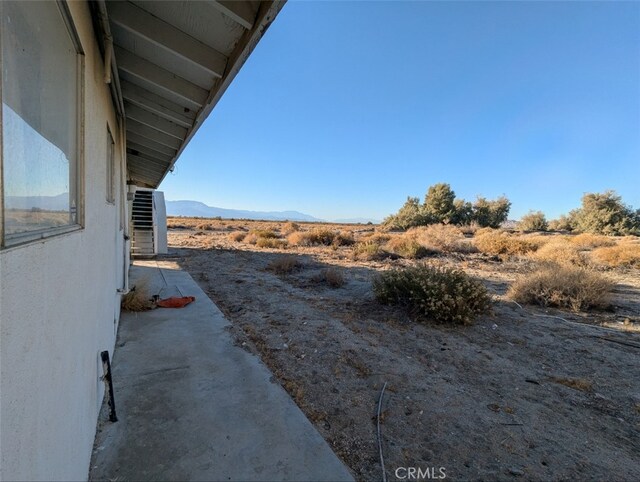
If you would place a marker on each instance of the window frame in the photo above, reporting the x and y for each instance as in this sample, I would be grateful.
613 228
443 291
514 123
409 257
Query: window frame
76 172
111 168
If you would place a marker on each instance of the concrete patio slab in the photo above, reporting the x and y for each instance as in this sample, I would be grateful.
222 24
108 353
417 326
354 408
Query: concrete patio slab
192 406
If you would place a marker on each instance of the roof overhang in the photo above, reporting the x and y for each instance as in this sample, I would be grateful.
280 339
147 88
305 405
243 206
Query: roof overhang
168 63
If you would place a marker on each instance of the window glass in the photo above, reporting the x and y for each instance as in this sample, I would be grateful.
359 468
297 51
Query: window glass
39 118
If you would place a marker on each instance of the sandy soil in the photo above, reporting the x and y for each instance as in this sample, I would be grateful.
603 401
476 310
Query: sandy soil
518 394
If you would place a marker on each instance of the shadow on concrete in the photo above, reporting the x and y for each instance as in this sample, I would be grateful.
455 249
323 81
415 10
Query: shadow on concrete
192 406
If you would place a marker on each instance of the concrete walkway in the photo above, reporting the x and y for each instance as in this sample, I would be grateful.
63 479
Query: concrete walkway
192 406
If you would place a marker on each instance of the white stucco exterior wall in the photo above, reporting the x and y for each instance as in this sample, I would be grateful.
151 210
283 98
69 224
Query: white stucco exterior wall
59 308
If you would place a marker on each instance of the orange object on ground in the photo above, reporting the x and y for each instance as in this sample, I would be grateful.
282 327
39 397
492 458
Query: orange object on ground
175 302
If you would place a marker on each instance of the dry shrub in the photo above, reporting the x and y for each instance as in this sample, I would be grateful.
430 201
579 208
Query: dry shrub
470 229
539 240
264 233
499 243
205 227
176 223
320 237
570 287
271 243
629 239
297 238
625 254
343 239
236 236
407 247
486 230
378 238
589 240
290 227
368 251
251 238
562 252
441 238
257 234
138 298
443 294
285 265
331 276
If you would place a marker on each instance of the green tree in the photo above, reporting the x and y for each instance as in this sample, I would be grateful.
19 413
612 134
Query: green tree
463 214
410 214
563 223
489 213
439 203
605 213
533 221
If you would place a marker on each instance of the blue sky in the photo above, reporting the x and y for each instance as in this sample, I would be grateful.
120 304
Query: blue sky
346 108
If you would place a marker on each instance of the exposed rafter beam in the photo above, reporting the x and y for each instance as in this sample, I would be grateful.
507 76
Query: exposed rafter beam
152 120
142 180
139 183
166 36
152 134
139 160
150 144
161 78
156 104
144 172
240 12
147 151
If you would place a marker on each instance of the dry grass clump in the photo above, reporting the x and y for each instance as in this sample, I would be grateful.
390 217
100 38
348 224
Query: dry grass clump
441 237
486 230
285 265
205 227
273 243
499 243
290 227
581 384
589 240
138 298
571 287
250 238
442 294
368 251
320 237
562 252
264 233
378 238
176 223
470 229
625 254
407 247
236 236
539 240
256 234
330 276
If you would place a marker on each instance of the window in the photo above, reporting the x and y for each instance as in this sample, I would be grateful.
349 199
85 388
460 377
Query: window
111 169
41 105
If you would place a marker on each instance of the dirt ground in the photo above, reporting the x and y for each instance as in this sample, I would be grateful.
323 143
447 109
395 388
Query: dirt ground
520 393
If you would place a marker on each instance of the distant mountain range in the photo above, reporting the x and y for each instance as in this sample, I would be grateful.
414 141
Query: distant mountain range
45 203
198 209
357 221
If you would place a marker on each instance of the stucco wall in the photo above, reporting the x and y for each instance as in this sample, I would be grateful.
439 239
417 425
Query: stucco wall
59 308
